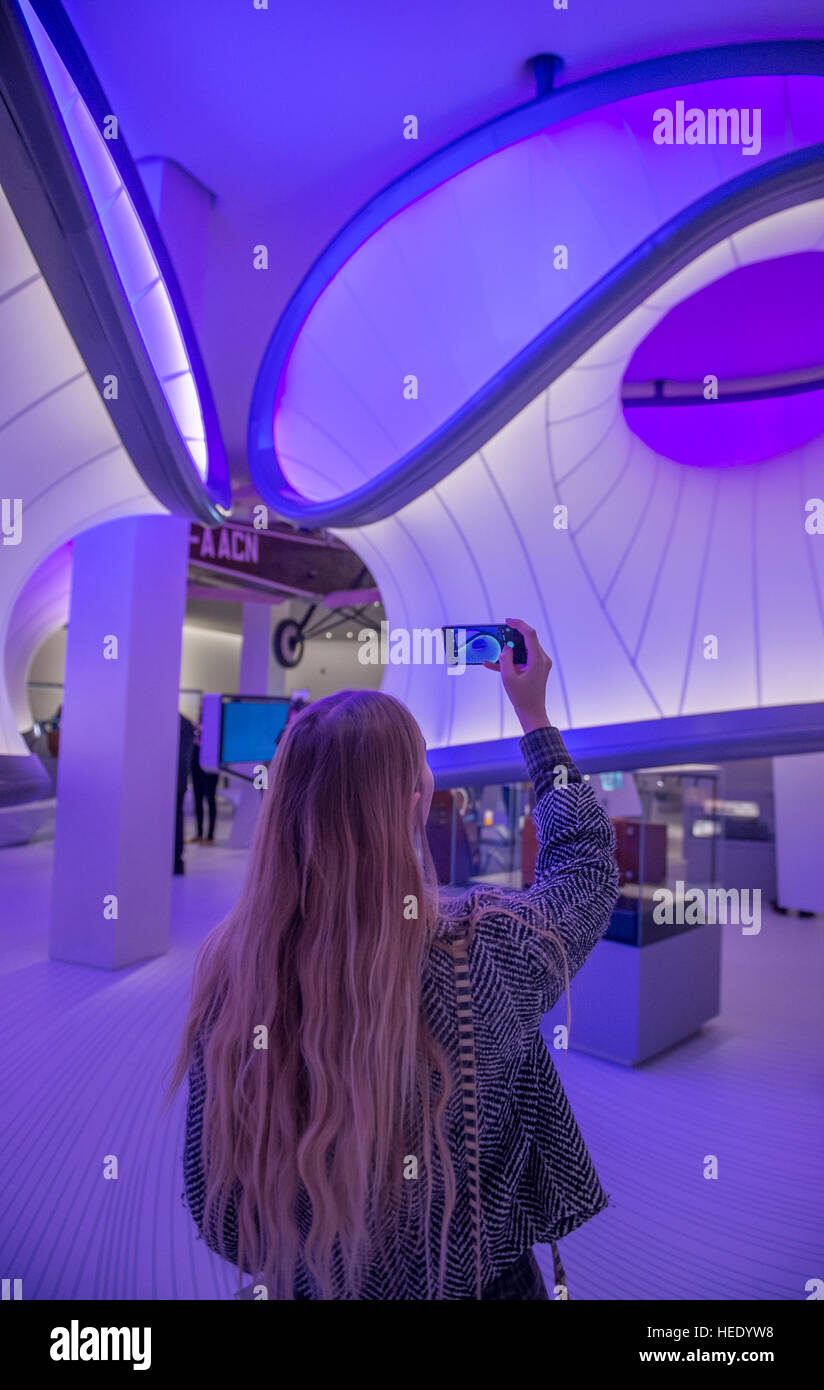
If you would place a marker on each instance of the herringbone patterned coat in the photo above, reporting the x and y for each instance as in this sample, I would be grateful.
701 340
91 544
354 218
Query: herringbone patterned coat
537 1180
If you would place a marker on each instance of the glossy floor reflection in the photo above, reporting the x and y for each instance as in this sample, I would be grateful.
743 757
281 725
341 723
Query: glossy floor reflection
84 1055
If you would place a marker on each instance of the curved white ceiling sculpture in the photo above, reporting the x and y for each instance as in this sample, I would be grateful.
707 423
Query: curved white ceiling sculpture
656 557
463 288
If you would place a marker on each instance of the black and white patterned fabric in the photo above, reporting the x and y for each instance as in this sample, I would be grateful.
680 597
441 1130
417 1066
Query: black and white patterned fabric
538 1182
521 1283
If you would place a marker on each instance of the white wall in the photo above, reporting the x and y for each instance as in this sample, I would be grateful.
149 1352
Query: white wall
799 831
329 665
211 661
48 664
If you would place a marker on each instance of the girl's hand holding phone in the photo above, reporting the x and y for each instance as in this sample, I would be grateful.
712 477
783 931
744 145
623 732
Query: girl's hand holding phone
525 685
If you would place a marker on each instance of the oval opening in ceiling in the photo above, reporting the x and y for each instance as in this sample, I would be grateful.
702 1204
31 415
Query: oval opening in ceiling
758 331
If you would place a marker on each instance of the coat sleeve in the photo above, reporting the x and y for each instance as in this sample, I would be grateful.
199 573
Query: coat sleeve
575 887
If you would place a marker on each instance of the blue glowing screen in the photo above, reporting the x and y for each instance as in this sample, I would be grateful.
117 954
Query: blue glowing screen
251 729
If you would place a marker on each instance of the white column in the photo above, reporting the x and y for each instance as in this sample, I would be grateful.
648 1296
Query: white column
254 679
114 835
254 651
117 771
799 831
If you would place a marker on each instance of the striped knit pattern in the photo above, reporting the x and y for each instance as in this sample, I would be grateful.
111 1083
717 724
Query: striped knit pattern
466 1058
521 1283
536 1179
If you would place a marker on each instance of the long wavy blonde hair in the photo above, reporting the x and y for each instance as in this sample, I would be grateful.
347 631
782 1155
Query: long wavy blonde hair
325 949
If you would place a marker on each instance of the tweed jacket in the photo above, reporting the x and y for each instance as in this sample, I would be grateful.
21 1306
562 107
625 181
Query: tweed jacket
537 1180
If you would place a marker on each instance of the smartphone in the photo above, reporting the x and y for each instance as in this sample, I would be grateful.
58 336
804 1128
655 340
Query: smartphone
472 645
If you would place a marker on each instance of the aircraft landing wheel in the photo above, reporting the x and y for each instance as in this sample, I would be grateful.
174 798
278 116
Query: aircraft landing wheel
287 643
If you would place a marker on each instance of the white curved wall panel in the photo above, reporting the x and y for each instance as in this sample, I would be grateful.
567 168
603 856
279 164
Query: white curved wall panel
41 608
450 277
656 557
59 450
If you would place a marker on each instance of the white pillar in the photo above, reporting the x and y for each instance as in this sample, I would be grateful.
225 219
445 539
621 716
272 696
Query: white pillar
114 835
117 771
799 831
253 680
254 651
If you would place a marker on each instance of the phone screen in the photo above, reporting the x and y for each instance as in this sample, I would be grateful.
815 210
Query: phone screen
472 646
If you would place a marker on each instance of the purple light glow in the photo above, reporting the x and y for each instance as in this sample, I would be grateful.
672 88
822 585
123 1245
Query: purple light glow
724 434
759 319
753 322
460 280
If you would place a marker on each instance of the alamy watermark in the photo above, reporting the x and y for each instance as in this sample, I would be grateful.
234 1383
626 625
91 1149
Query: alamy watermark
418 646
11 520
76 1343
711 906
715 126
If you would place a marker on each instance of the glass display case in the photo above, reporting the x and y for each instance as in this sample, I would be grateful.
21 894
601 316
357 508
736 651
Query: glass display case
654 979
669 827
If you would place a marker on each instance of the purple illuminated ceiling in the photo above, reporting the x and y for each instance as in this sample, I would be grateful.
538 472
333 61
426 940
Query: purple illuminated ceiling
759 320
723 434
617 553
459 281
223 92
131 250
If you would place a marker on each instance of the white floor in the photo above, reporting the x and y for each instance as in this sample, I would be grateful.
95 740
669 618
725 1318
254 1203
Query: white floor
84 1053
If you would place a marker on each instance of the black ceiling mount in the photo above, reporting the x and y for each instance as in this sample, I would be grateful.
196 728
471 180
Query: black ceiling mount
545 68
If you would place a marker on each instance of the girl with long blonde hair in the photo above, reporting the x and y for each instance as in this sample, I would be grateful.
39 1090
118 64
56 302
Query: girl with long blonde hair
372 1111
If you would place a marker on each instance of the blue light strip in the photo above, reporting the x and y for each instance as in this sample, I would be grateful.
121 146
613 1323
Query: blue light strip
771 731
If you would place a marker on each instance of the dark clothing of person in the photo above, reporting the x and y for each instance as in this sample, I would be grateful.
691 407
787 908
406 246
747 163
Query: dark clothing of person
184 753
522 1282
205 789
537 1180
204 785
186 740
